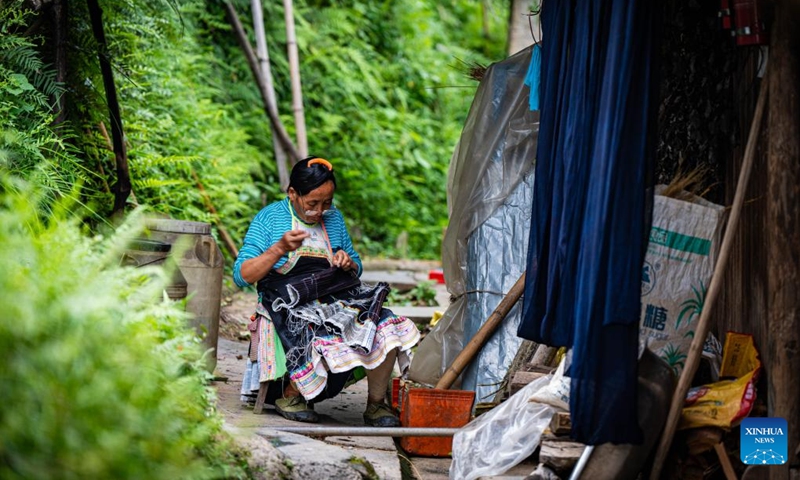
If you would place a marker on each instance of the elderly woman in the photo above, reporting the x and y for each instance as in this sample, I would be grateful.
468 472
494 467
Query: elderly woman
316 327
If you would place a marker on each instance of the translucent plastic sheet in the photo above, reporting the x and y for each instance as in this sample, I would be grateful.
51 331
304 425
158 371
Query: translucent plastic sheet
495 260
483 257
501 438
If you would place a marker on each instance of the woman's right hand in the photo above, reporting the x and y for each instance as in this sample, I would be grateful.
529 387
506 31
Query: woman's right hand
254 269
291 241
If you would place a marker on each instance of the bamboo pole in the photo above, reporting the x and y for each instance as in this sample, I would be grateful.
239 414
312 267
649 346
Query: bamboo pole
262 52
269 107
482 335
294 72
704 324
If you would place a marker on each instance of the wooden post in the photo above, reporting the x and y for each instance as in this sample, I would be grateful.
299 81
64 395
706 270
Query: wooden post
294 71
783 227
266 72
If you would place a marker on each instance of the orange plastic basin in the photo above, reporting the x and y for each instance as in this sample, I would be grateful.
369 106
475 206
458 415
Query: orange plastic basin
425 407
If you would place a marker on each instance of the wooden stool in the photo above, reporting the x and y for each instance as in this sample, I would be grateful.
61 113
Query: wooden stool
262 397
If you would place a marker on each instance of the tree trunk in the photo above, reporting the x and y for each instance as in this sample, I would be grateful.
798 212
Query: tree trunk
60 40
783 226
485 18
122 189
269 107
266 72
294 71
519 26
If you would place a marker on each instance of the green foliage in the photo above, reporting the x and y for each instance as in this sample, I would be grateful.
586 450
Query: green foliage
385 105
100 378
174 113
422 295
382 97
29 146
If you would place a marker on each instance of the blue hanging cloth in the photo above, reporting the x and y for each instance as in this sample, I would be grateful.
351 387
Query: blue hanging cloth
533 77
590 215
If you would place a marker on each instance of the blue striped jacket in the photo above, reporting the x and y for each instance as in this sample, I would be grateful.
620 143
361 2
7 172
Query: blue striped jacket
273 221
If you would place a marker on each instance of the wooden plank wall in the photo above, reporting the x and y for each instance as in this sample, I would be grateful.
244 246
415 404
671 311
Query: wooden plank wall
742 306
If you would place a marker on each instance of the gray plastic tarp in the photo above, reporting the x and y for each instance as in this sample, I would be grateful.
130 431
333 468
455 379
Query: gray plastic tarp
485 246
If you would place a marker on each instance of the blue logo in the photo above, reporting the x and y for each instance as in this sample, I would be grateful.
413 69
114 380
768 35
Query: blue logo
763 441
648 278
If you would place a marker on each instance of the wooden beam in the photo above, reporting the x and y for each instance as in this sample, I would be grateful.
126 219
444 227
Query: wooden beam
783 226
560 453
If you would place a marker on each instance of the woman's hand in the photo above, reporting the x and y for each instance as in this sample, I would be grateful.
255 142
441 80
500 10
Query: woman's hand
291 241
254 269
342 260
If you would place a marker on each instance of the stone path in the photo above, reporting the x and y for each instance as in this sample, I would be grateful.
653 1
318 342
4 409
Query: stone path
336 457
286 455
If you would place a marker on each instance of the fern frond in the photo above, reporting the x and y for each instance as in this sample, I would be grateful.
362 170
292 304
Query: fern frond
156 183
153 161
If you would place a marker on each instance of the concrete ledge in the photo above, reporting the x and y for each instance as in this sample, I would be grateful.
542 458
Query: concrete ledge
416 314
402 264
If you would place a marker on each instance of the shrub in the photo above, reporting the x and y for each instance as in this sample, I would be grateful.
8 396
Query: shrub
100 378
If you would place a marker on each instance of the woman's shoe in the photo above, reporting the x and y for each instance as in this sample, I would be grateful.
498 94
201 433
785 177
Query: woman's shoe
380 415
296 409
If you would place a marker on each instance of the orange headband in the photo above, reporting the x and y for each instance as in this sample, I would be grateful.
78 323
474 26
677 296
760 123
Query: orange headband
322 162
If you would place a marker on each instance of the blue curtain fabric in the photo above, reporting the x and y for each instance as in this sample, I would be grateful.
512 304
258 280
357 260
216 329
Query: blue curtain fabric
590 206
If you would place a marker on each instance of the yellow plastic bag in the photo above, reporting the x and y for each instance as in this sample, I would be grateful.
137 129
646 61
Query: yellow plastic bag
724 403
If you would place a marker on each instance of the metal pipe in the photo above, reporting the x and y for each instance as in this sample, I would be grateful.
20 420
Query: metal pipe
582 461
366 431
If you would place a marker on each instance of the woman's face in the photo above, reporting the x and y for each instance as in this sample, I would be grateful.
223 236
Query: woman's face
312 205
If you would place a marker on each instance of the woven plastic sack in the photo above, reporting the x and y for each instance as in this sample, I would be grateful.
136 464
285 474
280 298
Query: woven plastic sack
678 265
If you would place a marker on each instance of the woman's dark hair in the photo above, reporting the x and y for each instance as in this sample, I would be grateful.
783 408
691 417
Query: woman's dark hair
305 177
